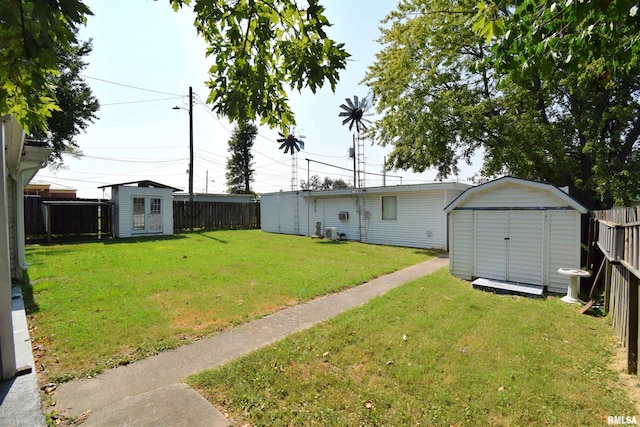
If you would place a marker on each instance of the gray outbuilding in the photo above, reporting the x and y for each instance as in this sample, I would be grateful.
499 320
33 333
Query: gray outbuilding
515 230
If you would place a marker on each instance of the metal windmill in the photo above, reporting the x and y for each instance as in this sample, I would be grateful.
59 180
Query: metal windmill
292 142
354 114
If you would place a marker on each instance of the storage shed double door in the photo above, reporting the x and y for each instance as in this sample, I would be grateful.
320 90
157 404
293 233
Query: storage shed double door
147 214
510 245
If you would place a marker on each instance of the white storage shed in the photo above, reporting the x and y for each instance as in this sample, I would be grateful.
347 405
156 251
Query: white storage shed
142 208
403 215
515 230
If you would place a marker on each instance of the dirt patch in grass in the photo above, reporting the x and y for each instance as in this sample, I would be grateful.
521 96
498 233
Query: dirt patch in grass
630 383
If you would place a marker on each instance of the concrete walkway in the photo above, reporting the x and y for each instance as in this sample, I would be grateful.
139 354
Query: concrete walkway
151 392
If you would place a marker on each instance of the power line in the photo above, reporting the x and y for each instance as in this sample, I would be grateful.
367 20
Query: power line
133 161
132 86
138 102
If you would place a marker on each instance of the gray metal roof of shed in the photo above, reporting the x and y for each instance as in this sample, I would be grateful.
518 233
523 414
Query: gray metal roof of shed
143 183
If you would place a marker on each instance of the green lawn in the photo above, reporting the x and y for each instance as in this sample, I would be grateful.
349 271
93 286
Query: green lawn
436 353
98 305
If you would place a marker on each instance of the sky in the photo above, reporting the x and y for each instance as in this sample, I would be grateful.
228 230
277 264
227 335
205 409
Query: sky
146 56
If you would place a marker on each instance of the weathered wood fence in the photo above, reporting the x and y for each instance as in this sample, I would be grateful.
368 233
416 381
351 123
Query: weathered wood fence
617 235
47 218
215 215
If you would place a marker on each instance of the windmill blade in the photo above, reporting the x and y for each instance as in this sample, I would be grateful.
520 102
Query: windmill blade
281 134
297 148
344 122
368 100
350 103
351 124
284 144
344 114
345 108
355 98
301 144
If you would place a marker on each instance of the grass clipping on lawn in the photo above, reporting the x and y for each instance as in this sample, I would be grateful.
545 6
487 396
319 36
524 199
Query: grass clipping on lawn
94 306
432 352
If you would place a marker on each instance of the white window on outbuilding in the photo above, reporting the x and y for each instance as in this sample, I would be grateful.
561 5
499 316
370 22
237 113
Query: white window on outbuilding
389 207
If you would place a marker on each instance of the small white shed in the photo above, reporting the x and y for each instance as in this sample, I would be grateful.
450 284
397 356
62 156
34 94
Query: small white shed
515 230
142 208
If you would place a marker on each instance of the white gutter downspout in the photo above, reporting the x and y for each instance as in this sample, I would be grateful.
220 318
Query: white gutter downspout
18 178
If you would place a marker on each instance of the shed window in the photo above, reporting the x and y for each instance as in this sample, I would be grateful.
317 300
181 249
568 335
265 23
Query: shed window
389 207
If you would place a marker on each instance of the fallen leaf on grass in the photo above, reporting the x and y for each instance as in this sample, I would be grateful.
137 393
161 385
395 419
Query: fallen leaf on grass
325 354
369 404
502 388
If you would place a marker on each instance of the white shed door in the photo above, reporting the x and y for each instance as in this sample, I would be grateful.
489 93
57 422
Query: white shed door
491 250
525 247
509 246
147 214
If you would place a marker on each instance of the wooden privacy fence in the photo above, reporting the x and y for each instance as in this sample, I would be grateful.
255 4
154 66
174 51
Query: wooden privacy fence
618 237
67 217
215 215
91 217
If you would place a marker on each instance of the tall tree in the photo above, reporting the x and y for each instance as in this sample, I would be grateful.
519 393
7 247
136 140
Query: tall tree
445 91
75 99
260 48
239 166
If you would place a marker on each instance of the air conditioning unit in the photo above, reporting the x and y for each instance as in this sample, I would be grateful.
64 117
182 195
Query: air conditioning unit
331 233
343 216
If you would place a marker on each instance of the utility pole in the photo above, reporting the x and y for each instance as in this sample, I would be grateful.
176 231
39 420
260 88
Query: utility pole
190 144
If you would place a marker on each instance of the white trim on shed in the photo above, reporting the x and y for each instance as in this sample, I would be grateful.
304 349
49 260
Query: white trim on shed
515 230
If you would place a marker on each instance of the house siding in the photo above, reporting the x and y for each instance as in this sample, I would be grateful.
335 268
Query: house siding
420 223
11 211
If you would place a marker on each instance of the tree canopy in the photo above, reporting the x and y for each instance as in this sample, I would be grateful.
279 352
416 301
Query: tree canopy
452 79
316 184
260 49
31 32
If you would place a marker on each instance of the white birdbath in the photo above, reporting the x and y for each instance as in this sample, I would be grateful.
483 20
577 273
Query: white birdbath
572 292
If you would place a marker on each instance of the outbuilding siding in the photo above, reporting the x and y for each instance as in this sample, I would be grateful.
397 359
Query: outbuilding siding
513 196
515 230
564 231
462 240
123 198
420 221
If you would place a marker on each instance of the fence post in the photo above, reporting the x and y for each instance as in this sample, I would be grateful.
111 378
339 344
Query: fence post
607 286
632 332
